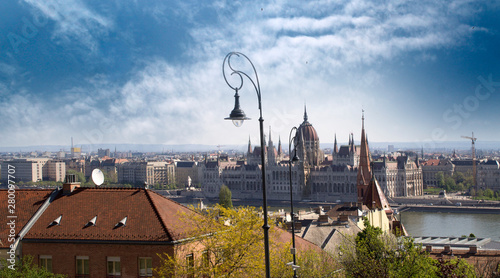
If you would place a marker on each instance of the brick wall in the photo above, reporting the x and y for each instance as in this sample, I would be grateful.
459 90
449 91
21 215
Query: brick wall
64 256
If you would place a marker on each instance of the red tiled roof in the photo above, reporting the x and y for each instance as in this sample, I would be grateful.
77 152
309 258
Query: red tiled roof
150 217
28 201
431 162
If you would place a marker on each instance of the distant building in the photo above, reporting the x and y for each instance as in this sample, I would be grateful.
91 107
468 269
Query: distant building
154 173
34 169
103 152
390 148
488 175
313 176
185 170
432 166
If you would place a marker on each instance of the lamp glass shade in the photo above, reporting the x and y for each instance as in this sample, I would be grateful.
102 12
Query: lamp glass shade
238 123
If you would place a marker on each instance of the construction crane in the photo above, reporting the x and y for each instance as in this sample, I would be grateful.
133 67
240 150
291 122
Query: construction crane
473 140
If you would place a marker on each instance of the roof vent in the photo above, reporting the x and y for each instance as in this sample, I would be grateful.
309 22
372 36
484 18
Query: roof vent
57 221
91 222
121 223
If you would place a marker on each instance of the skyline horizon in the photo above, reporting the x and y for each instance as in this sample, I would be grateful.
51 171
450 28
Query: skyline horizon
443 146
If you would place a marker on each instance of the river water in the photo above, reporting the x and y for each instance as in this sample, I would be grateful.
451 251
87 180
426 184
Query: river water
451 224
422 223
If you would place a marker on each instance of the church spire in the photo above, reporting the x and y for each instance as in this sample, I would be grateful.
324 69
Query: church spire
249 151
335 148
280 151
364 171
270 140
305 113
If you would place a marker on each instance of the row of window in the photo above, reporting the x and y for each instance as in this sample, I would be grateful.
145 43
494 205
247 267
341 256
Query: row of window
113 266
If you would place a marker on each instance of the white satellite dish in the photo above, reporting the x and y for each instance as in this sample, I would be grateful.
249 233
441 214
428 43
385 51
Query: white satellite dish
97 177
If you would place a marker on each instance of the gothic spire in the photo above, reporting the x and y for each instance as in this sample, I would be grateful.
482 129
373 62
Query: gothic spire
270 140
364 171
335 148
305 113
280 151
249 145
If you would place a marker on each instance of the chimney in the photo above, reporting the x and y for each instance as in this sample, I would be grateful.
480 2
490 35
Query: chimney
70 184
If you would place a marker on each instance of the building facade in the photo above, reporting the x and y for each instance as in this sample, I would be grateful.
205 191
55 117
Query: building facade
34 169
313 177
153 173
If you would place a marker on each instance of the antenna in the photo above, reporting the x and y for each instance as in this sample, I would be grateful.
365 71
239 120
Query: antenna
97 177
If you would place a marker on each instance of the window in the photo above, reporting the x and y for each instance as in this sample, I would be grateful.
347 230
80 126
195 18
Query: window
190 265
82 267
205 259
145 267
46 262
114 267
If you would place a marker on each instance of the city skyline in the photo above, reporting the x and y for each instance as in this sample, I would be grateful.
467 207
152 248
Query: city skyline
150 73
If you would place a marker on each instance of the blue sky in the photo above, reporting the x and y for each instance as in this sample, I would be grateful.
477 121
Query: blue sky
149 72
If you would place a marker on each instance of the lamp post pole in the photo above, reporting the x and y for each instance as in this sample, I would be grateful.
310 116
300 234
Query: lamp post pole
290 161
238 116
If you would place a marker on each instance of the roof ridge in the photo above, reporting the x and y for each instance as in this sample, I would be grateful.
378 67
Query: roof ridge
153 205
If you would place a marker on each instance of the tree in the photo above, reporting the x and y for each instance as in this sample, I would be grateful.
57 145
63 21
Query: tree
440 179
225 197
449 183
488 193
231 245
26 269
378 254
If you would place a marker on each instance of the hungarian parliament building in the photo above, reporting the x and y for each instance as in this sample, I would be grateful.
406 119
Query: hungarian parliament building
315 177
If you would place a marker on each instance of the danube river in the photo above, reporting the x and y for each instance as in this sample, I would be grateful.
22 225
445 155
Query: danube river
416 223
451 224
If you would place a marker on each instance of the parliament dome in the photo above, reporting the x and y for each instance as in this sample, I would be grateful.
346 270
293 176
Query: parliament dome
307 131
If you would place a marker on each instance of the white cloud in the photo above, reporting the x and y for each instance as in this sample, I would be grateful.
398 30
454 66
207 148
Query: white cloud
74 21
330 57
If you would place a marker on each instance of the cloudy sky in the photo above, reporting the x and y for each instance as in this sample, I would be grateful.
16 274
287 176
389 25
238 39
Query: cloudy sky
150 72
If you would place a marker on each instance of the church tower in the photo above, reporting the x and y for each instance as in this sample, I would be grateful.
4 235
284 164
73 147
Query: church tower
364 171
271 150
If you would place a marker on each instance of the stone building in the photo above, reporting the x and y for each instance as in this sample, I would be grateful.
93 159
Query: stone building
313 177
152 172
432 166
34 169
184 171
488 175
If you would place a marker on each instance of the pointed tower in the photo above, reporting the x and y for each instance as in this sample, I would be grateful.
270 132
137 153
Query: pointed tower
280 151
335 148
271 150
364 171
249 150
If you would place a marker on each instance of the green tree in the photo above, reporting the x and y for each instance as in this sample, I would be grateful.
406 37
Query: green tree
449 184
225 197
459 177
488 193
233 242
378 254
440 179
25 269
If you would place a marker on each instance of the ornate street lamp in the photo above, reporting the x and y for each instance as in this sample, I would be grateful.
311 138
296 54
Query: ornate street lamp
238 116
290 161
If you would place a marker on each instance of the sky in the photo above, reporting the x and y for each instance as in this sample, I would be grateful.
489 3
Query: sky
150 72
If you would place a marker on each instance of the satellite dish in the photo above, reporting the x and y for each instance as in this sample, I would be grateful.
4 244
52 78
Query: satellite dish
97 177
